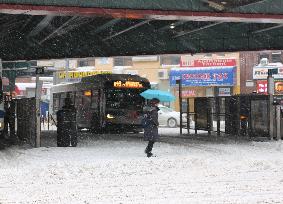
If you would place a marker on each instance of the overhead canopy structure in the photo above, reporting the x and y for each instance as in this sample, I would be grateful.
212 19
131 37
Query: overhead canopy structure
42 29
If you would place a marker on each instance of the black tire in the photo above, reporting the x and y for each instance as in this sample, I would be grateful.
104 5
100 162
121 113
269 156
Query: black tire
172 123
74 141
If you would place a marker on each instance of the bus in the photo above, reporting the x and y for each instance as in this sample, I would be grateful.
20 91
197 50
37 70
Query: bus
104 102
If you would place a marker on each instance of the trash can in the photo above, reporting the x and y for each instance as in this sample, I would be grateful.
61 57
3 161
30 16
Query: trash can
66 128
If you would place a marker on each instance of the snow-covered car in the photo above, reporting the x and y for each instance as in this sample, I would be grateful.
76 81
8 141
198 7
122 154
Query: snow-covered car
169 117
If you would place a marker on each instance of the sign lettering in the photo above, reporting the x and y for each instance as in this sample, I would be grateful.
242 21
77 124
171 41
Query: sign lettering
262 72
204 77
127 84
186 62
75 74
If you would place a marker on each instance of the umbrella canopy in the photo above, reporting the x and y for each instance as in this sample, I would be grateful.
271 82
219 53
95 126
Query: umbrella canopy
161 95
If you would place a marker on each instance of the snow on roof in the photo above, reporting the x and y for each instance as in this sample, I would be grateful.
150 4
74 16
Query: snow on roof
24 86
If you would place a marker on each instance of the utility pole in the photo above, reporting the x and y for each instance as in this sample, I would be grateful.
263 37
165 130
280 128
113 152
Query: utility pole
38 88
179 81
278 122
270 91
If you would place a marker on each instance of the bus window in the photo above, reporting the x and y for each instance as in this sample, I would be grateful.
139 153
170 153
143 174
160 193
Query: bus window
56 102
72 96
94 99
78 99
1 91
86 101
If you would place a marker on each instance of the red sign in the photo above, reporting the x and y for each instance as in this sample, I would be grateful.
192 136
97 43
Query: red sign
188 93
186 62
261 87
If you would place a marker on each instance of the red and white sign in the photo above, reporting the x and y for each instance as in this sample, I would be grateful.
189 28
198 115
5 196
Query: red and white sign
186 62
188 93
261 86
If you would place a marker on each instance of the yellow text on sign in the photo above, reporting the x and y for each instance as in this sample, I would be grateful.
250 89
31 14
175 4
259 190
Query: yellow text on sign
73 75
127 84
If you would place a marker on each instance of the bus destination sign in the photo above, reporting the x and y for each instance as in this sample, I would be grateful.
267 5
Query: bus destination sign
127 84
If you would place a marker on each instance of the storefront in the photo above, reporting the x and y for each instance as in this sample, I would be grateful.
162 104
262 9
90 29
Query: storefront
260 73
206 77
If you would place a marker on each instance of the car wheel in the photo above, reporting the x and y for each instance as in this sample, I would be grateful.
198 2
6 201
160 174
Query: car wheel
172 123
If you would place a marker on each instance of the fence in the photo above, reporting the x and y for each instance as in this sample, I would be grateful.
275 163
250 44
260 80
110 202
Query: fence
26 126
240 115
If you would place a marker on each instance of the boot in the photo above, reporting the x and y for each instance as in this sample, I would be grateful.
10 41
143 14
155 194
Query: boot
146 150
149 154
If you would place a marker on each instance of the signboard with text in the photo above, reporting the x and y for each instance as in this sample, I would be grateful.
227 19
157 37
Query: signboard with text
262 72
188 93
262 86
187 62
224 91
204 77
75 76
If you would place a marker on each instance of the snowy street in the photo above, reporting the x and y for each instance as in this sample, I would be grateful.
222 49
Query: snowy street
116 170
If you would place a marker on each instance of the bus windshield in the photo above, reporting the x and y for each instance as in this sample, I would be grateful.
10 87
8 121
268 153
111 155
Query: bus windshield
124 99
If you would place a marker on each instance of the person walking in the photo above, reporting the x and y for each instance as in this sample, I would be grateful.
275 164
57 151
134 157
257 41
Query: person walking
66 125
151 125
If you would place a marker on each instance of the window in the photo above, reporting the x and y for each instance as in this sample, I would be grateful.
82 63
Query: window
95 99
83 63
123 61
124 99
170 59
263 55
165 109
78 99
276 57
221 54
86 101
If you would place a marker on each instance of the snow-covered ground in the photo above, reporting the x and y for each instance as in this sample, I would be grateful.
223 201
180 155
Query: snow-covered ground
117 171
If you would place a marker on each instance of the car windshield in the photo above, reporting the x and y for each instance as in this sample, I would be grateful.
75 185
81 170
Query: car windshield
166 109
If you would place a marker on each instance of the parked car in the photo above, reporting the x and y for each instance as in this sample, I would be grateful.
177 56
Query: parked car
169 117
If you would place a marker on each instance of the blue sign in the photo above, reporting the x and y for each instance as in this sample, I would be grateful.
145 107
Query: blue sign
224 76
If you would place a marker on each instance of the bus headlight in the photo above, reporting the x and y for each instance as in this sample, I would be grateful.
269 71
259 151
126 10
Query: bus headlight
109 116
1 124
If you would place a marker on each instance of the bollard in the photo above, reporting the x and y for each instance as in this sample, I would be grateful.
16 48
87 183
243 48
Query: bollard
278 122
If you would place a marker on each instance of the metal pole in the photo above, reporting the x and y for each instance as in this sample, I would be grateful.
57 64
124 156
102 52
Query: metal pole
181 109
37 109
217 103
48 115
188 115
278 122
270 91
67 64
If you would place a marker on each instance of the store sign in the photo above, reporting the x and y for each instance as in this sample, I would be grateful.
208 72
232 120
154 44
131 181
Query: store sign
261 87
204 77
188 93
127 84
224 91
186 62
76 74
262 72
278 87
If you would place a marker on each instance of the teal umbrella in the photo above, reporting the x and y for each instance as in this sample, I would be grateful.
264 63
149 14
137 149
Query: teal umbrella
161 95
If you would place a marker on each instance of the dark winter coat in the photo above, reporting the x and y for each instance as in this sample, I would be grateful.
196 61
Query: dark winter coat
151 131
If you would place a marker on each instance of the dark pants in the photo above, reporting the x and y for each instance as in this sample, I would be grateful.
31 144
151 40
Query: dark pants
149 147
